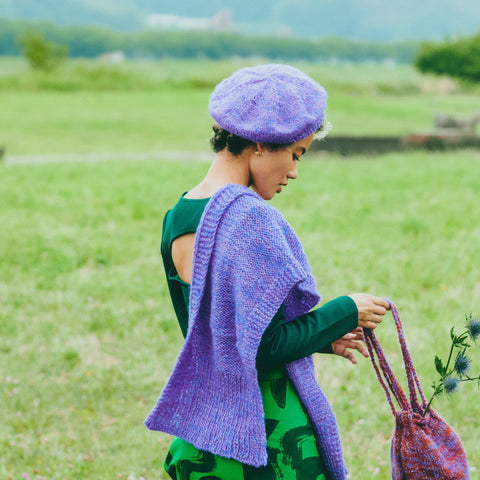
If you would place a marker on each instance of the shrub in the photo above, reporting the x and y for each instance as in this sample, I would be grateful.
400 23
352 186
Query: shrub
459 58
41 53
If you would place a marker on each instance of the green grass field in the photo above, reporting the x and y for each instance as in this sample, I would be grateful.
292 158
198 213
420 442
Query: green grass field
143 107
87 332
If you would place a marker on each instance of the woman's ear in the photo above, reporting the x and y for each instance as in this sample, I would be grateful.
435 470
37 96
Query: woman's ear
259 149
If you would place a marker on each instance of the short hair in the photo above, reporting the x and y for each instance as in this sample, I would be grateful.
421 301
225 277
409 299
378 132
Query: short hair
222 138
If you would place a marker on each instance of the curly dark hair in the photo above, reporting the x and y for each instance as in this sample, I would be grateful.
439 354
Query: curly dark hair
222 138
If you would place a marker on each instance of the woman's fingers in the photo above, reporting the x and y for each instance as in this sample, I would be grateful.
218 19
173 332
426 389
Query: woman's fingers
379 310
359 347
371 309
380 302
357 334
344 348
350 356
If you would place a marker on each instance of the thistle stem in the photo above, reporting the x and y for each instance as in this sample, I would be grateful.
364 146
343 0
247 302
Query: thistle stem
450 355
436 392
428 406
468 379
460 342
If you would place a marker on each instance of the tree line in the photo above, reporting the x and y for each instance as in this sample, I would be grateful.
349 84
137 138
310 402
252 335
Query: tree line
459 58
90 41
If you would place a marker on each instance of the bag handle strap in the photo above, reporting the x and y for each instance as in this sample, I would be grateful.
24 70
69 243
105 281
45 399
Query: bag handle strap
383 368
412 378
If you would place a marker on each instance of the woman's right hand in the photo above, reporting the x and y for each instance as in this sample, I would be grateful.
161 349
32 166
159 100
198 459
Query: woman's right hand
370 309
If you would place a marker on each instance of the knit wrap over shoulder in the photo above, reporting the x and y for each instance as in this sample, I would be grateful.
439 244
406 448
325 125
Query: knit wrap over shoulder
248 261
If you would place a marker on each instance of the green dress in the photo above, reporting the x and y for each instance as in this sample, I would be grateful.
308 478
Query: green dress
292 448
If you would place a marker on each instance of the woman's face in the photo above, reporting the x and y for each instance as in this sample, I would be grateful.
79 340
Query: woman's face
271 170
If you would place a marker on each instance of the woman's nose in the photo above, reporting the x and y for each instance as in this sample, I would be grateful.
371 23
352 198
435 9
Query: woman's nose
293 172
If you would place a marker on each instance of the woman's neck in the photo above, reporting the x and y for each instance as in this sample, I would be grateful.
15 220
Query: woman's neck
226 168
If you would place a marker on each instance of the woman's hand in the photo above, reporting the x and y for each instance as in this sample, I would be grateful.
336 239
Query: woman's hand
348 342
370 309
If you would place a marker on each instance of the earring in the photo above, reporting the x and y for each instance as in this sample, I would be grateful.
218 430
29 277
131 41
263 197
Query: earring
258 153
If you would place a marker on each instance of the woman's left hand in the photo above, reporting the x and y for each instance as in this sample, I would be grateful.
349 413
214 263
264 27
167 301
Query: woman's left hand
351 341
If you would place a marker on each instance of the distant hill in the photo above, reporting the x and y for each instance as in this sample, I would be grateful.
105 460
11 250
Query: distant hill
377 20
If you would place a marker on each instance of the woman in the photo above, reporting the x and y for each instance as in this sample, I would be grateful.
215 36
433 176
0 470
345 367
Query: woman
242 399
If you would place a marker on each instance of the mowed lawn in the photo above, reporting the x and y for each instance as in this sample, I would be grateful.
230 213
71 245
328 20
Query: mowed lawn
88 335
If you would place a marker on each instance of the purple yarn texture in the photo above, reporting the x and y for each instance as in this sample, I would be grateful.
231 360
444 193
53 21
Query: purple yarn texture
423 448
270 103
248 261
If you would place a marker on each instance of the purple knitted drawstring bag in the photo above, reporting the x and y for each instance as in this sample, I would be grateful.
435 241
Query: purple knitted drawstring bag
423 448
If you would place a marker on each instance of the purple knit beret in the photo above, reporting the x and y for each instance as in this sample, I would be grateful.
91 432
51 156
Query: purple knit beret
269 103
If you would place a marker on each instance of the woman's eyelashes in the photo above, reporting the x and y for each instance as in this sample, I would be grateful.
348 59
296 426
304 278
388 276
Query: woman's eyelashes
297 157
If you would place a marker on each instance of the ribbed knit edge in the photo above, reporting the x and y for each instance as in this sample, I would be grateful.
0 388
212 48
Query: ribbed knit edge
263 137
249 448
302 374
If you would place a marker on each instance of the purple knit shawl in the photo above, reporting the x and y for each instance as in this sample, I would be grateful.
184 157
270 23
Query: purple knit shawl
248 261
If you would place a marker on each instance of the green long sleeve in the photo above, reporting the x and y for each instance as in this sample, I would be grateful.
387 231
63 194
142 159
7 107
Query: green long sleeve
284 342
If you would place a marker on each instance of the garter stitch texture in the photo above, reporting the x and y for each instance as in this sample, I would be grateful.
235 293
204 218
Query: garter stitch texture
248 261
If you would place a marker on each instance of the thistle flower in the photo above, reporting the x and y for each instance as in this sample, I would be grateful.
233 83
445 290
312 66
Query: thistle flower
462 364
453 373
451 384
473 327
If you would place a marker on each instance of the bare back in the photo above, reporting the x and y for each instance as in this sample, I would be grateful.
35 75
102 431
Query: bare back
182 256
182 247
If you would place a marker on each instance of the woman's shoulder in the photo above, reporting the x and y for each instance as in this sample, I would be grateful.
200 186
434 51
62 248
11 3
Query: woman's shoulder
186 208
238 209
182 218
239 198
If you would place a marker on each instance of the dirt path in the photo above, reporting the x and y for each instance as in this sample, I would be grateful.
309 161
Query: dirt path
178 156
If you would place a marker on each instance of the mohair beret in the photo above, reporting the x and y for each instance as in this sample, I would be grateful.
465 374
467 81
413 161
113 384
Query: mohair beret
270 103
